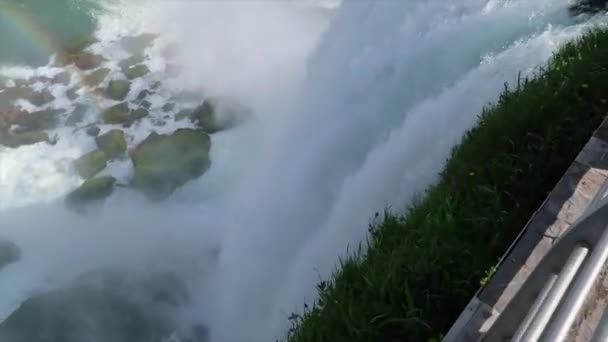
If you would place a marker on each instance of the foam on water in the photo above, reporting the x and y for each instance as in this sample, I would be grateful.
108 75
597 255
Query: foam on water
348 118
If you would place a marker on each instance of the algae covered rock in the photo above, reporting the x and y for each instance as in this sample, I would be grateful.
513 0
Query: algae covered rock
116 114
93 131
91 163
94 189
214 115
9 253
118 89
165 162
23 139
135 71
113 143
83 312
77 114
96 77
82 60
121 114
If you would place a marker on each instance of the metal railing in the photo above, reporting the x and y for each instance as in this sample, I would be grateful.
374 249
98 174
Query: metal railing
554 295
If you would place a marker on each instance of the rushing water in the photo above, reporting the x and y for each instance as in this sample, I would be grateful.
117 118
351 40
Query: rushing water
356 106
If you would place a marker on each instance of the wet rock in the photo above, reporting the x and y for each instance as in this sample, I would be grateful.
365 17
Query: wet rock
136 71
155 85
143 94
93 131
131 61
96 77
83 60
92 190
85 311
589 6
163 163
138 43
40 98
146 104
168 107
23 139
113 143
40 120
78 44
91 163
77 115
72 93
121 114
9 253
183 114
118 89
116 114
63 77
139 113
9 118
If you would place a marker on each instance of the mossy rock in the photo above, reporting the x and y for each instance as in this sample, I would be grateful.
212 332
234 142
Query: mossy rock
63 77
77 114
138 43
78 44
118 89
139 113
96 77
116 114
168 107
131 61
40 120
83 312
113 143
40 98
165 162
135 71
83 60
94 189
9 253
121 114
91 163
23 139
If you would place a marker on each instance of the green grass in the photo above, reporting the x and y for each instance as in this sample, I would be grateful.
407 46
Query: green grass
423 266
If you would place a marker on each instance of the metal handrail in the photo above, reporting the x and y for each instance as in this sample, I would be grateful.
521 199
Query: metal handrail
554 308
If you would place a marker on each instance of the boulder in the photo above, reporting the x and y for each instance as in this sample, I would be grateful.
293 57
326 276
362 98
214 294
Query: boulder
85 311
40 120
205 116
116 114
83 60
24 138
93 131
9 118
96 77
72 93
94 189
131 61
168 107
146 104
162 163
113 143
77 114
78 44
138 43
589 6
91 163
40 98
118 89
63 77
135 71
121 114
9 253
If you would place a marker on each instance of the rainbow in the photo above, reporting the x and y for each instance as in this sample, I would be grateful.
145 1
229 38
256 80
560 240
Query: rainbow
28 24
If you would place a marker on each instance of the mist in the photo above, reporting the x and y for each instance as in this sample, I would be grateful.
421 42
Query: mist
355 108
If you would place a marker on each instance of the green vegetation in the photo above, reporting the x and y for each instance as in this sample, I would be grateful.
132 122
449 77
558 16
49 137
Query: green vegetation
424 265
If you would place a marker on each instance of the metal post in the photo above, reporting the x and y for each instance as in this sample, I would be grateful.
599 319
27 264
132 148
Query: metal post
549 305
575 299
601 331
534 309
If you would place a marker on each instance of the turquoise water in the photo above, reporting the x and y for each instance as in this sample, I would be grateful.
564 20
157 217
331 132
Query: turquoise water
59 20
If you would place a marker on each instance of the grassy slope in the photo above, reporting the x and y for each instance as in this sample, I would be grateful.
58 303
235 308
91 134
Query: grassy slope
423 266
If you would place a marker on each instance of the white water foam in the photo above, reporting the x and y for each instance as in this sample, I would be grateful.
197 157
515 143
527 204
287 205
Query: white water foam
345 125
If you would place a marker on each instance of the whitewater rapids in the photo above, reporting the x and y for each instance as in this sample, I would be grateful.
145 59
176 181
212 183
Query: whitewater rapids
357 105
